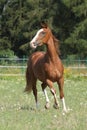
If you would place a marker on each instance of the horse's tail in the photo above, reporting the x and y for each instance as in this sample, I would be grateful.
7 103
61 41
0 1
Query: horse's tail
29 86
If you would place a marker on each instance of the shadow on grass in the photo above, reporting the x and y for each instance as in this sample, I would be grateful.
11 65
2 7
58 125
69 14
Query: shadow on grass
17 107
27 108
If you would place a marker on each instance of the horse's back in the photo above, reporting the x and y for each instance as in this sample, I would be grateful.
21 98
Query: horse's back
35 57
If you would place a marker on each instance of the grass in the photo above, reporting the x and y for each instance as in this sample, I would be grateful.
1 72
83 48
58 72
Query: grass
17 109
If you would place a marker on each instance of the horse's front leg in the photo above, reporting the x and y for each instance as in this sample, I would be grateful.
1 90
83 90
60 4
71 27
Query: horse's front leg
47 99
46 96
64 105
50 84
61 84
56 103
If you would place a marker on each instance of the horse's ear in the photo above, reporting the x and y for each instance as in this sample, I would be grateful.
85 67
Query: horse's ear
43 24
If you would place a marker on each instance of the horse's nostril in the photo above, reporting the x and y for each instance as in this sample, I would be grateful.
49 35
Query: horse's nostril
32 45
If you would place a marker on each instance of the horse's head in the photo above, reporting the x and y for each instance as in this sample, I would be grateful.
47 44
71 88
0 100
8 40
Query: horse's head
42 36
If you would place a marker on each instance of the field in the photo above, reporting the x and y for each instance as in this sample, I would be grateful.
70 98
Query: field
17 109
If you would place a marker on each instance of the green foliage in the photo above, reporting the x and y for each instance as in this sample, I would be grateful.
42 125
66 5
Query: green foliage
77 40
20 19
6 53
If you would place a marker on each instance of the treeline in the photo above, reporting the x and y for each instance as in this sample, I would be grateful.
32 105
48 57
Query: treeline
20 19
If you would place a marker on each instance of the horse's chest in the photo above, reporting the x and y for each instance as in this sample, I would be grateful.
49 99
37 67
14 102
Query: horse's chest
52 71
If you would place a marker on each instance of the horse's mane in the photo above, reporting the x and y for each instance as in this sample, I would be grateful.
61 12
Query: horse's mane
56 44
56 41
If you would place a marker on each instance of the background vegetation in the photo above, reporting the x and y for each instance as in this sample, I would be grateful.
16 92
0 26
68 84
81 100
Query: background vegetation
20 19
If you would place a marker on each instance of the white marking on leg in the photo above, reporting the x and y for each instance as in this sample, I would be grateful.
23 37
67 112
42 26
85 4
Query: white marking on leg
64 105
47 99
45 93
56 105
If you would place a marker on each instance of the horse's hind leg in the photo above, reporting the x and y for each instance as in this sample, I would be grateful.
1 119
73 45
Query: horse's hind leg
35 92
61 84
44 85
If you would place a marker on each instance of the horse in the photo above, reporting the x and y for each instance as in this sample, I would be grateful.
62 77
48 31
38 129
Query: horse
45 67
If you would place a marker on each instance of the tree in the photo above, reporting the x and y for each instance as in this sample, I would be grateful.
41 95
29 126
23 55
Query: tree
5 43
77 41
20 19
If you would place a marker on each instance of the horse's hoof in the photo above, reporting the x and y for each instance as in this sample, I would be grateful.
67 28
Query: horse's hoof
47 106
66 111
56 106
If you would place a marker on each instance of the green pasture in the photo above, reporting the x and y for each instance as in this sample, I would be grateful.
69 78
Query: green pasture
17 109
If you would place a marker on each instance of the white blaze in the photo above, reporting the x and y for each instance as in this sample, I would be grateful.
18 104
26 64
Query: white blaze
36 36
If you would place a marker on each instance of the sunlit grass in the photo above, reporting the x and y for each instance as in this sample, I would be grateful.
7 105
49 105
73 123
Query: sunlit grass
17 109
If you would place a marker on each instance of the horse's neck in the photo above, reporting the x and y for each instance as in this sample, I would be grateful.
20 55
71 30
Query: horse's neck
51 50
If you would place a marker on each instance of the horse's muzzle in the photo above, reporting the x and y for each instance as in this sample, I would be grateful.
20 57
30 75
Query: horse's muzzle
34 44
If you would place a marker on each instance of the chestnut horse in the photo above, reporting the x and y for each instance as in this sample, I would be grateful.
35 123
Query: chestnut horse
46 67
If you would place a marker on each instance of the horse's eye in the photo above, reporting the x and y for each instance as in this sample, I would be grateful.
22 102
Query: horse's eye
43 33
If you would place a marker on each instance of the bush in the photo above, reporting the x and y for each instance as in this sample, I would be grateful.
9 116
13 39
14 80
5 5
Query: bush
72 57
6 53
